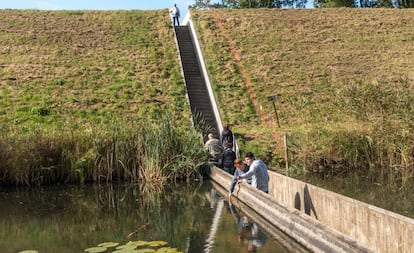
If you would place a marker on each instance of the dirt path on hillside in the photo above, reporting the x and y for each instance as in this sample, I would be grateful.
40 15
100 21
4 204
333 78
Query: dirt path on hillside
237 58
253 98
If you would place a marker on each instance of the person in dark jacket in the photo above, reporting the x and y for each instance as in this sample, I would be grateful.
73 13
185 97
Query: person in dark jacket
226 135
228 158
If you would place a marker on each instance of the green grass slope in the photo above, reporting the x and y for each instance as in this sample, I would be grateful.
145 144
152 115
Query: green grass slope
83 67
93 96
344 79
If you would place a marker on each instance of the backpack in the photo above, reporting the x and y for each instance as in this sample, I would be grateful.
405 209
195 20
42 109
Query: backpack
228 158
227 137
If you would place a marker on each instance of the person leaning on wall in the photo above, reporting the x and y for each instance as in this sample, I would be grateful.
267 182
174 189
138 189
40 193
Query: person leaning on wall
258 172
241 168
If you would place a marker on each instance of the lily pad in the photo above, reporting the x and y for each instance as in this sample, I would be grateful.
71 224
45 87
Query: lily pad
126 246
145 251
157 243
168 250
96 249
125 251
108 244
138 243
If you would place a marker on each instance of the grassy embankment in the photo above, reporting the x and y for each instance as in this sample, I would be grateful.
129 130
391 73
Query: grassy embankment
344 79
76 85
92 95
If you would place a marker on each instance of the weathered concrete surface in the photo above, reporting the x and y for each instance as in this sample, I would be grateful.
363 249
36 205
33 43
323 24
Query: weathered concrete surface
309 232
379 229
283 239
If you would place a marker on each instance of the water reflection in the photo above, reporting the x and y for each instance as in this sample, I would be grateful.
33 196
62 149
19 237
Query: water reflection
248 231
70 219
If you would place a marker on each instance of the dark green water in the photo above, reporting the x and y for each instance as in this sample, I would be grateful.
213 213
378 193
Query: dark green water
73 218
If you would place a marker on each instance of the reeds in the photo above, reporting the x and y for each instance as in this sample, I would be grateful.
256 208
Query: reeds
78 103
145 151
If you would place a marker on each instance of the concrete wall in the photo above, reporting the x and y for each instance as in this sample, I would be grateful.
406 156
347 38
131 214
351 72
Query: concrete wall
272 231
379 229
309 232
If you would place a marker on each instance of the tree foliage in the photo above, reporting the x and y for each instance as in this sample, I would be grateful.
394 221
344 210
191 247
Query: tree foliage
240 4
243 4
364 3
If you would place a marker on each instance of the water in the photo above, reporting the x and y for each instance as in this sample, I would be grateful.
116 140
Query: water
73 218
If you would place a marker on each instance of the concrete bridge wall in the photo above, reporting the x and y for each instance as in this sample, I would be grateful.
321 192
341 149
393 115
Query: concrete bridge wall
324 221
309 232
379 229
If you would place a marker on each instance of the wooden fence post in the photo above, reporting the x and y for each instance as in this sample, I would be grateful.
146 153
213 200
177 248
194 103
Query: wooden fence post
285 141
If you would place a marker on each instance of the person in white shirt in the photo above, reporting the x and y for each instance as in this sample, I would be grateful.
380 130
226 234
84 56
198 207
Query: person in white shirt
258 172
175 13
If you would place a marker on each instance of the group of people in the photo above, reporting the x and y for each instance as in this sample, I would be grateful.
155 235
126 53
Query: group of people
221 154
253 170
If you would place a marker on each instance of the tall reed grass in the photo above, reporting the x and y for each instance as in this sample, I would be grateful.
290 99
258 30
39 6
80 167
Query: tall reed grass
377 142
147 152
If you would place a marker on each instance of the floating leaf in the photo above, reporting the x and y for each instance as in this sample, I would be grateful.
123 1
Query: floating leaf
108 244
127 246
96 249
168 250
157 243
125 251
29 251
164 250
138 243
145 251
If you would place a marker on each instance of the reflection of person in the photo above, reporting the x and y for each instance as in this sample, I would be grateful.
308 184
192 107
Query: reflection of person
211 196
258 172
175 13
248 232
257 239
214 148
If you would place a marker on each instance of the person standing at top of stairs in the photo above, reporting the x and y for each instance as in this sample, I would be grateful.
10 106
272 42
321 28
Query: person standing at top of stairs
175 13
